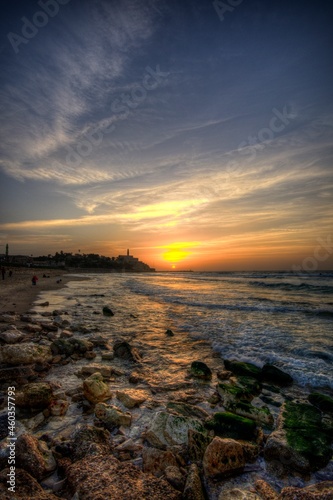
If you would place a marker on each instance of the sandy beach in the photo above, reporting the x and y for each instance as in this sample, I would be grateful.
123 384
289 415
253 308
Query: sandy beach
17 293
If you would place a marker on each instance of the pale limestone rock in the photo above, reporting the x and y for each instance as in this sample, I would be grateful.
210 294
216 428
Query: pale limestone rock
223 457
131 397
95 390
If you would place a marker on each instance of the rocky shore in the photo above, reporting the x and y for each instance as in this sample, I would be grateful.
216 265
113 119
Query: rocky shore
226 430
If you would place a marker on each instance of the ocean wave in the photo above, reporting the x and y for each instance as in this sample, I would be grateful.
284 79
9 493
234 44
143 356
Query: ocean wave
288 286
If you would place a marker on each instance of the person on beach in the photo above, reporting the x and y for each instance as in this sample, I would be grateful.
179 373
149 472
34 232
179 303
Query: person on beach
3 272
34 280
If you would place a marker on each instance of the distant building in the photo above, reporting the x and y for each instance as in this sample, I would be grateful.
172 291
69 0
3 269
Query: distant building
133 263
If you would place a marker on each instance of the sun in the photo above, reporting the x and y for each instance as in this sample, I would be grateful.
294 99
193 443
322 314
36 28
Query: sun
173 267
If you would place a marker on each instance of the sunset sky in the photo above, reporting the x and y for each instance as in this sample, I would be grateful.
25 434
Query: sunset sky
197 134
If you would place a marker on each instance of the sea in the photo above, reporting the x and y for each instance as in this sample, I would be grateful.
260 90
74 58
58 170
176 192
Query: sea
258 317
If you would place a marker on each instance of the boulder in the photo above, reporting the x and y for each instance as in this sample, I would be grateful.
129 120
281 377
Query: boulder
169 333
201 370
107 311
321 401
167 430
319 491
232 393
262 416
58 407
26 487
241 368
197 444
174 477
131 397
70 346
301 441
229 425
11 336
25 354
124 350
35 395
193 488
155 461
223 457
103 476
271 373
90 440
187 410
95 390
112 416
34 456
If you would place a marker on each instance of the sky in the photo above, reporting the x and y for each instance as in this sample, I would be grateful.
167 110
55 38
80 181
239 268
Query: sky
198 134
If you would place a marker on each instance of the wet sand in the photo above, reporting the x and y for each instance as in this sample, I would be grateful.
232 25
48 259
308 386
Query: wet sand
17 293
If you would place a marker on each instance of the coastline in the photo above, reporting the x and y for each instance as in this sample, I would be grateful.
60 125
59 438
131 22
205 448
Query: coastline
17 294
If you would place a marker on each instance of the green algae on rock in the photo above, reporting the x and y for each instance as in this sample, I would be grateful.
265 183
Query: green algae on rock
321 401
200 370
229 425
241 368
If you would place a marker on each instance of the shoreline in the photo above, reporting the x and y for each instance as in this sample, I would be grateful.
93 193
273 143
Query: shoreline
17 294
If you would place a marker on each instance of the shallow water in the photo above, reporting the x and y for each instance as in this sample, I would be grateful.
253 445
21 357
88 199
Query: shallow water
257 317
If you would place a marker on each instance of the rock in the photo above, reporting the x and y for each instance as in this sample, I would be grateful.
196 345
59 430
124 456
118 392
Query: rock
155 461
223 457
33 328
26 487
123 350
227 424
101 477
265 490
301 442
262 416
169 333
200 370
69 346
233 393
187 410
43 304
193 487
197 444
321 401
174 476
34 456
8 318
131 397
89 440
112 416
95 390
35 395
224 375
167 430
240 368
58 407
25 354
319 491
107 356
11 336
14 373
238 494
33 423
107 311
271 373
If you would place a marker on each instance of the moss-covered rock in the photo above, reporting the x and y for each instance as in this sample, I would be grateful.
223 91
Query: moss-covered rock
226 424
200 370
35 395
241 368
321 401
302 441
252 385
262 416
232 393
271 373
